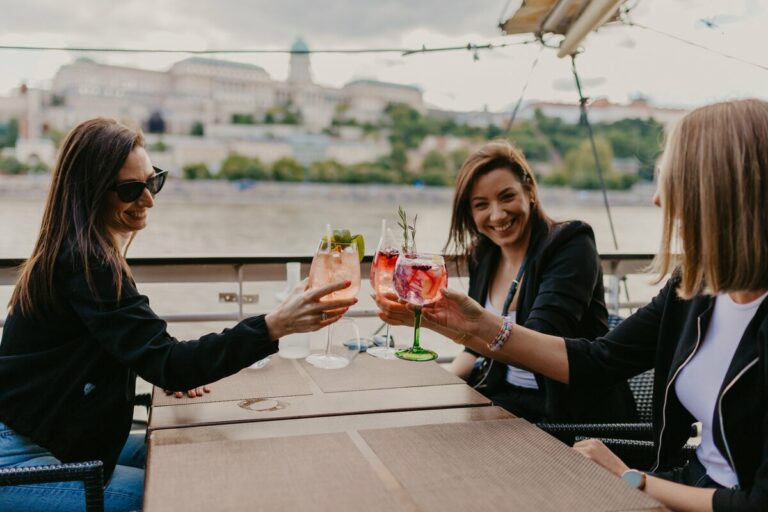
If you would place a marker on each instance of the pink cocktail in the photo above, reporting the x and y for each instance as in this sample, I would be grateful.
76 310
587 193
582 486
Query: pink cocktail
383 271
418 281
419 278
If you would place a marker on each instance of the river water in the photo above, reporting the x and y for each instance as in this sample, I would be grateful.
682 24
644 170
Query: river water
225 219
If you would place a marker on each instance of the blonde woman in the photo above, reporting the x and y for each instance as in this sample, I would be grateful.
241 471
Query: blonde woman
705 333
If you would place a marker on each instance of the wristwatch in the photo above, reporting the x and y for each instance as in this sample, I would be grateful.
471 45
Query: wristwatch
634 478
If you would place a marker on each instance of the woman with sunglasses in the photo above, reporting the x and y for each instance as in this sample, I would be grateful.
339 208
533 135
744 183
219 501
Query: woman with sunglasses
705 333
78 332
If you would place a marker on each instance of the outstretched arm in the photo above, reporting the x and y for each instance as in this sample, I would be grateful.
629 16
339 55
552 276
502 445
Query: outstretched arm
541 353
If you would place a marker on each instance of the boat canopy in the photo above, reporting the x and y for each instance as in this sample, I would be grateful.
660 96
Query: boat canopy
573 19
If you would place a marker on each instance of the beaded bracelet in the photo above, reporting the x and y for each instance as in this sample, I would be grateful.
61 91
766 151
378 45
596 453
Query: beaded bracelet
503 336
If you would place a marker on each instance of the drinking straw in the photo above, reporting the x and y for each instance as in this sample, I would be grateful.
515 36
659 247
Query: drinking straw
328 235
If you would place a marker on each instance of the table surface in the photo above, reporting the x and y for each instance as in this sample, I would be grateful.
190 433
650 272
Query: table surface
294 389
458 459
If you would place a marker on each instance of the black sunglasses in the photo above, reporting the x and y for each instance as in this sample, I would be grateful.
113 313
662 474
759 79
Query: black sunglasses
129 191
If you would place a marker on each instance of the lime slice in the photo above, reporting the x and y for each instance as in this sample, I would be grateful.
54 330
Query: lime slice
358 240
342 236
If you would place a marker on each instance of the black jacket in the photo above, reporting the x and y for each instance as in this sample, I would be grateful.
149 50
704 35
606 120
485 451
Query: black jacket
68 378
665 335
561 294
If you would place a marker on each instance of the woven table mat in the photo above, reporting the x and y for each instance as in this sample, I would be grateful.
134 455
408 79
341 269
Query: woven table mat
318 472
279 378
367 372
498 465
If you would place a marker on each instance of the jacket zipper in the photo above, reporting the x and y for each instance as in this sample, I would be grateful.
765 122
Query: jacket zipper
720 411
666 392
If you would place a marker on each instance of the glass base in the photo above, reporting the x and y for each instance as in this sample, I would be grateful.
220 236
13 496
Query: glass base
383 352
416 354
327 361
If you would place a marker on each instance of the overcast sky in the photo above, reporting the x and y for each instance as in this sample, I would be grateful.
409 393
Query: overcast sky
618 62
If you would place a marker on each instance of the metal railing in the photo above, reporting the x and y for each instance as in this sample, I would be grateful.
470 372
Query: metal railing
241 270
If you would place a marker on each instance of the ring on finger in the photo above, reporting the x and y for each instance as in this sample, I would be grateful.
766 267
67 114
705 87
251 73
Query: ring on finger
323 316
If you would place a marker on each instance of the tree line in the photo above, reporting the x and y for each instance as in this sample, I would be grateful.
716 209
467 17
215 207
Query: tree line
562 149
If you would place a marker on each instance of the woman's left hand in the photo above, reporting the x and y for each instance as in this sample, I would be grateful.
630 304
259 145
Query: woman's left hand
595 450
393 311
192 393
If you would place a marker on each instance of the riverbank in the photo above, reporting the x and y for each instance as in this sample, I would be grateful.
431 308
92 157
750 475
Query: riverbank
35 186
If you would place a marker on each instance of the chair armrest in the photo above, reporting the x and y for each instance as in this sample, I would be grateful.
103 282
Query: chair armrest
642 454
90 473
566 432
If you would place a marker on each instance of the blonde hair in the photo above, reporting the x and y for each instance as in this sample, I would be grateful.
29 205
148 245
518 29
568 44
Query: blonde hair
713 184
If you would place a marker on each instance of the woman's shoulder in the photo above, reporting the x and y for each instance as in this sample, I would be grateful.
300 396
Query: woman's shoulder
575 233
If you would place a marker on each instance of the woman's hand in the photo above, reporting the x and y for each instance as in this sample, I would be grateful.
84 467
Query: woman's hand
595 450
192 393
393 311
455 311
303 311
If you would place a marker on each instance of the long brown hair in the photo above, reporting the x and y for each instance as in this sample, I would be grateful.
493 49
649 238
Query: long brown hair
464 239
74 217
714 188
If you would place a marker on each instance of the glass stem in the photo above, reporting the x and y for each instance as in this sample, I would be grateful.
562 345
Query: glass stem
416 329
328 340
386 336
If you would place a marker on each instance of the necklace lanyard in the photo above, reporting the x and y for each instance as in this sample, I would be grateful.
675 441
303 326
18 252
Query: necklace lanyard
513 287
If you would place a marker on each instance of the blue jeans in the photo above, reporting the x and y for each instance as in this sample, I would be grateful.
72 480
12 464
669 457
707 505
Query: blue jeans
123 492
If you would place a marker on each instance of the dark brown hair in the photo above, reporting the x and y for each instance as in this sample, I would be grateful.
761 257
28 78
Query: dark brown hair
464 239
74 218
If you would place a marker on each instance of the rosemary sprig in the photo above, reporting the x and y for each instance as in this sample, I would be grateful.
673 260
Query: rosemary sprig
407 228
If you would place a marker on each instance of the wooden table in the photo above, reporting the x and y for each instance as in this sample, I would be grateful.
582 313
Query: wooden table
293 389
447 460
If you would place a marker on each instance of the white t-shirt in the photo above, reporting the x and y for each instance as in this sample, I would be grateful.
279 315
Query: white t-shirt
698 383
515 376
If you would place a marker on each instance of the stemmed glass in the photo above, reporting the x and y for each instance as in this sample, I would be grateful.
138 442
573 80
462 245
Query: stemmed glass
382 280
332 263
418 280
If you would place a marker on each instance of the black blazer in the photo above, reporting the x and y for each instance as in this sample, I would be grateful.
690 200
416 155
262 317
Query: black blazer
68 378
561 294
664 335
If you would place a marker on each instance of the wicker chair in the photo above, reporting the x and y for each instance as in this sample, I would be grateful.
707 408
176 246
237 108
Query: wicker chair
642 391
631 439
642 454
91 473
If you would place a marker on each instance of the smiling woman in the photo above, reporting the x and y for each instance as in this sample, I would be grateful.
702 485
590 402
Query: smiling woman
539 273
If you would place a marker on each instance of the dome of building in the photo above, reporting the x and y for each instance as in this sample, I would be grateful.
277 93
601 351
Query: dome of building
299 46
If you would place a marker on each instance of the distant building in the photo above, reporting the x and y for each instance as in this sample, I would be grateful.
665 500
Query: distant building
206 91
209 94
600 111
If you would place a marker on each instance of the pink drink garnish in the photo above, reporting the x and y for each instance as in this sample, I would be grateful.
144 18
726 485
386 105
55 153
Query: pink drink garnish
418 281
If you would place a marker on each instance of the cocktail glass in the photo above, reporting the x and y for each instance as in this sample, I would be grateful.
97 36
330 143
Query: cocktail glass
418 280
332 263
382 281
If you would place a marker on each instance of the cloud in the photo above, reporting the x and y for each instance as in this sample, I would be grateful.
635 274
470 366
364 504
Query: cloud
245 22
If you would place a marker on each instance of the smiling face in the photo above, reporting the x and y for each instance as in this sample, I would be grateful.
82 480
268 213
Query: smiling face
501 208
126 218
